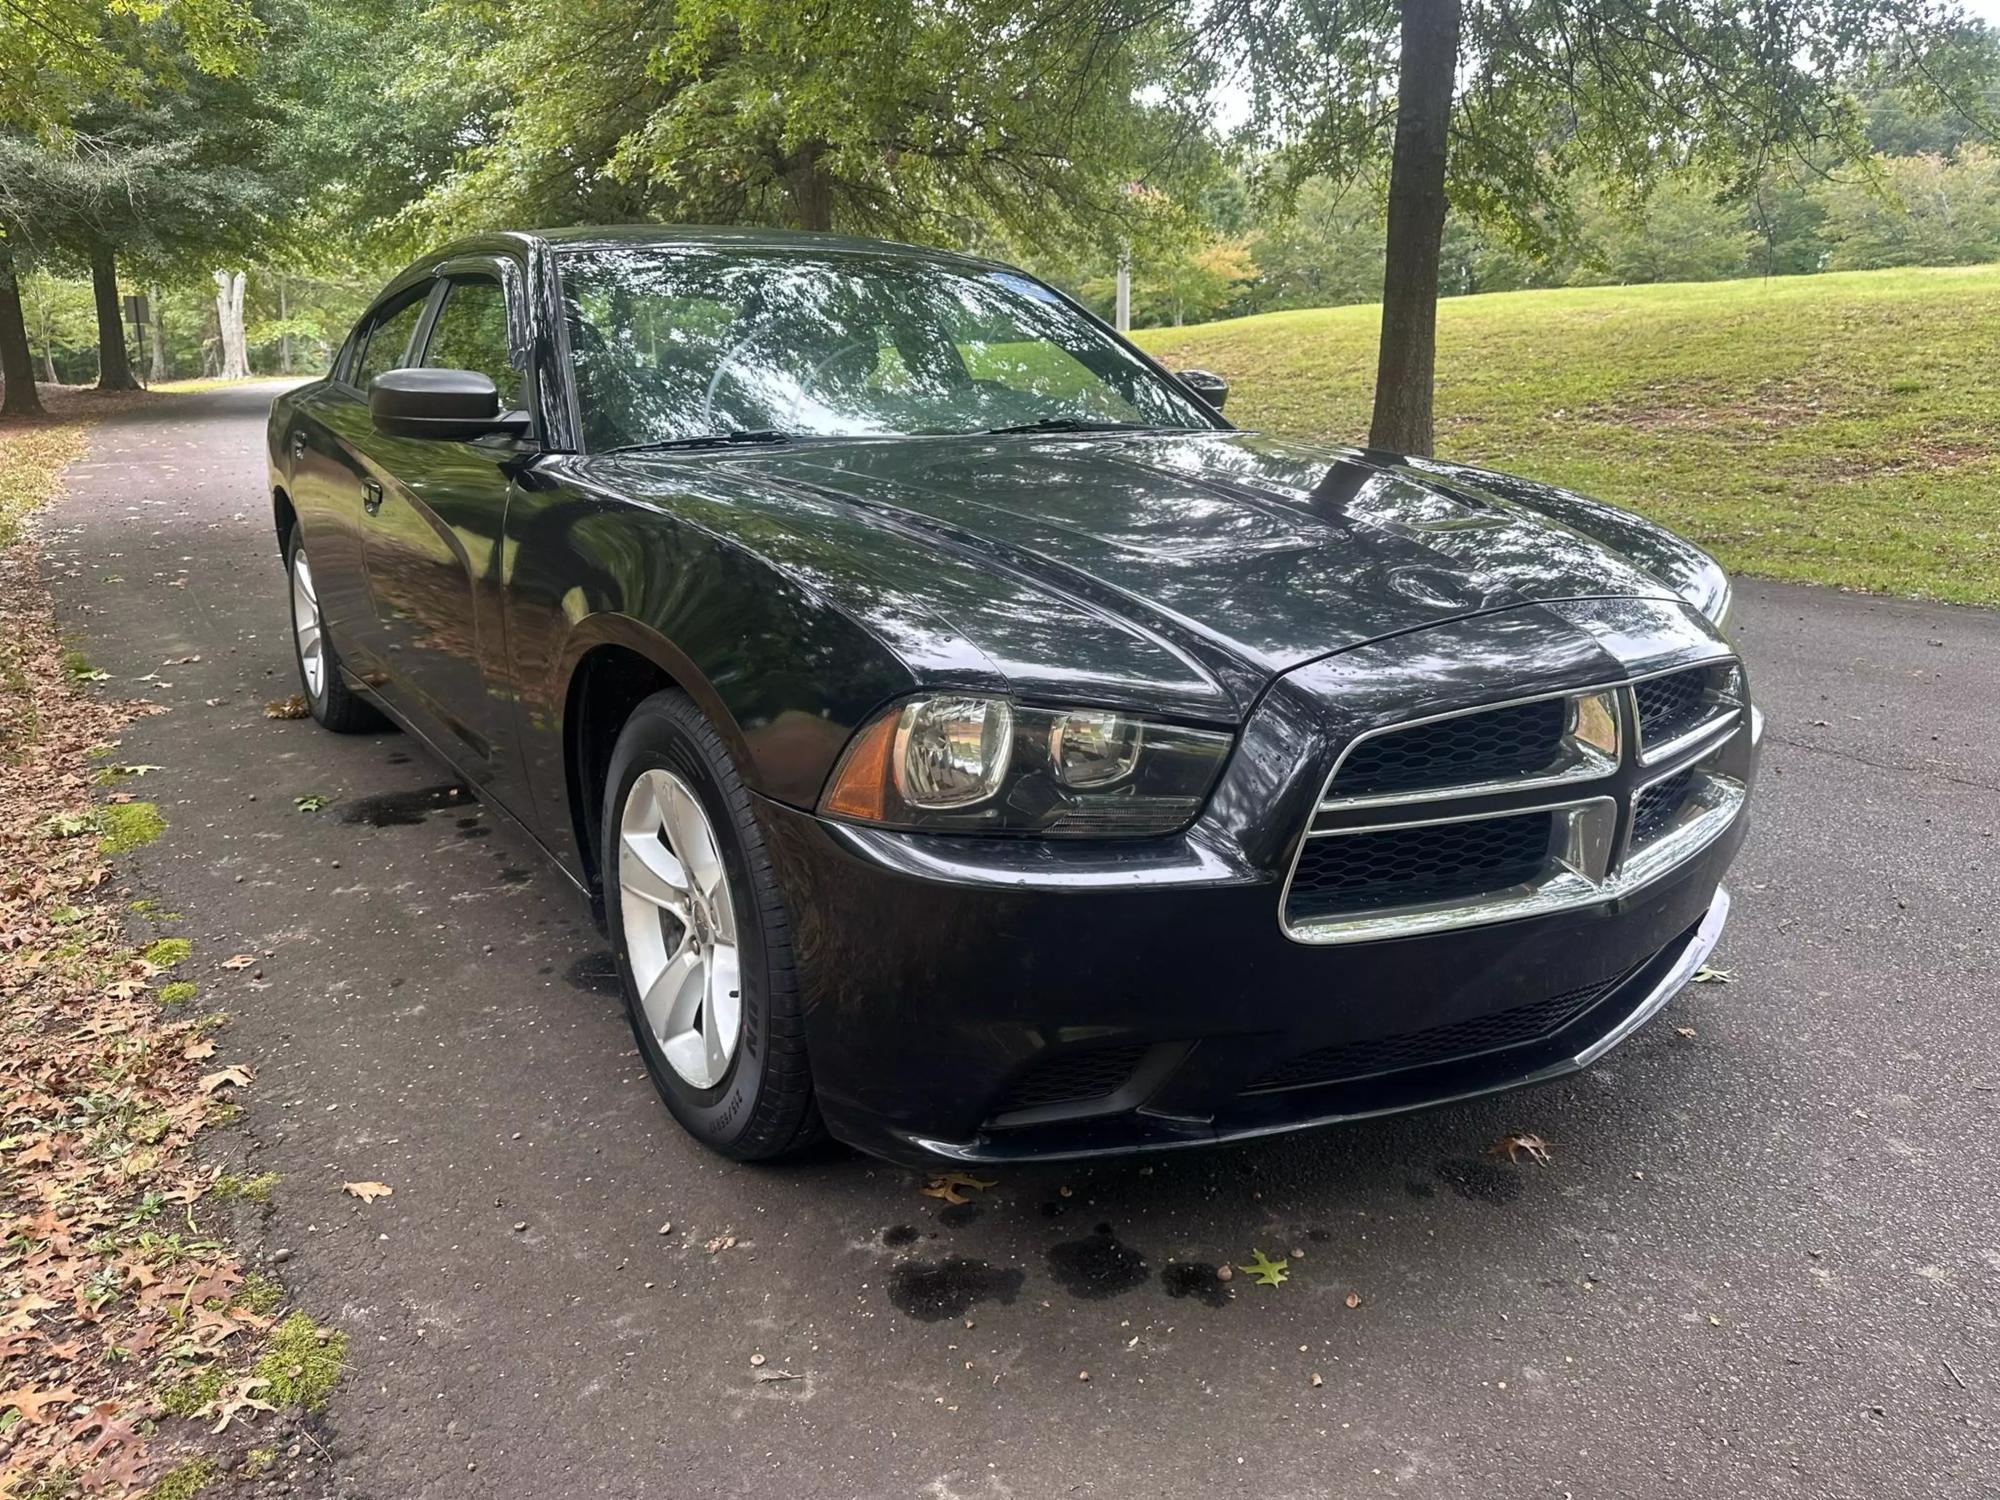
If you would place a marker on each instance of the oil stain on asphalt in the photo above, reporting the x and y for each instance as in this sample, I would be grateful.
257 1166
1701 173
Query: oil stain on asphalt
1097 1267
931 1291
405 809
1195 1279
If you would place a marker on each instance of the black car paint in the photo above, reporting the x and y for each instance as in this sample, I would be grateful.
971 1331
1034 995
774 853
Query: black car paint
1296 596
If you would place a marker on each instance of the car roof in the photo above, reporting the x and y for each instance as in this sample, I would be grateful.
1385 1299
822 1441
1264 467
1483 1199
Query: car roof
704 236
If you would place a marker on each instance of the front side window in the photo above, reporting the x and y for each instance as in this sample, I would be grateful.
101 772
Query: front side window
470 333
673 343
387 338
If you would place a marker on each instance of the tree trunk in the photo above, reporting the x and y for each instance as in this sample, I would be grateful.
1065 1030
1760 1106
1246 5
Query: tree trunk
114 369
48 345
1406 369
810 191
17 361
229 322
161 369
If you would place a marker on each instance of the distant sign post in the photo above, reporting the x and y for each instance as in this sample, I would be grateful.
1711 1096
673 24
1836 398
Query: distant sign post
138 312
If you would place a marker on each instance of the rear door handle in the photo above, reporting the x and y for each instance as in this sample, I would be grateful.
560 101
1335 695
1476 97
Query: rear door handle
371 496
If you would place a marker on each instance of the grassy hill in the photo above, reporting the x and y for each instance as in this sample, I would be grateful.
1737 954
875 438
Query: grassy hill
1839 429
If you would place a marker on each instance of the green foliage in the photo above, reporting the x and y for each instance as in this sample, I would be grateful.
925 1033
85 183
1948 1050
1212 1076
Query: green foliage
1837 429
124 826
887 116
164 953
55 54
1925 211
1682 231
178 993
302 1363
260 1293
230 1187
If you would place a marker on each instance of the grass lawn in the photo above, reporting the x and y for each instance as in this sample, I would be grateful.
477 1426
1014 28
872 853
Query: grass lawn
1840 429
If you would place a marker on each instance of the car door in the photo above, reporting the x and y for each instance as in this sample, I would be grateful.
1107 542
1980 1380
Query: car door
329 475
432 537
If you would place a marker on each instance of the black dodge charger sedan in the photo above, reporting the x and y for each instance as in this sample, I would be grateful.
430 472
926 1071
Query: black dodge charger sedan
980 749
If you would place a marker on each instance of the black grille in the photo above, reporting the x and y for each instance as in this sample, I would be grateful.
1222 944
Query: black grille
1071 1077
1406 866
1460 1039
1653 812
1488 746
1672 705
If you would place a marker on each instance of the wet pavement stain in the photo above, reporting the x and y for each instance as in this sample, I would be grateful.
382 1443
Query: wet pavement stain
898 1235
930 1292
595 972
405 809
1098 1267
958 1215
515 875
1195 1279
1481 1181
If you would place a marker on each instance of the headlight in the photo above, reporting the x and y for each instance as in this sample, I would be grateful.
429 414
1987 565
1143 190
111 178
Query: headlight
954 762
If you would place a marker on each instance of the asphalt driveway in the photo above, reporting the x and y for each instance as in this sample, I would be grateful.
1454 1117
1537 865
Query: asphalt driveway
1764 1260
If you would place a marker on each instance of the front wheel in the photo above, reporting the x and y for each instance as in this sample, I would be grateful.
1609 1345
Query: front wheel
703 943
331 701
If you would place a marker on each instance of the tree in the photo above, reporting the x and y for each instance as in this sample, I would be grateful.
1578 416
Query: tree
58 54
1683 231
1927 211
1499 105
888 116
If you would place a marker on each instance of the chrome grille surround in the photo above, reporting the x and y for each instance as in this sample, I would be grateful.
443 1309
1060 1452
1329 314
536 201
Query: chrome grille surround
1597 854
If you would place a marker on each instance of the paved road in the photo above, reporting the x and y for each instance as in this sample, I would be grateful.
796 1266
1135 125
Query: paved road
1764 1261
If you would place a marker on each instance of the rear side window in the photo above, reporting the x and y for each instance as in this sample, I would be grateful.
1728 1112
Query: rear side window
386 339
470 333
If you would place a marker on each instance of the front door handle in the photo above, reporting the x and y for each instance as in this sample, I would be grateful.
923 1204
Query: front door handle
371 496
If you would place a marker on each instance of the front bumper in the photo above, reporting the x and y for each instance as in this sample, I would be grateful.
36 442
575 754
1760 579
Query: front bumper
928 1001
947 981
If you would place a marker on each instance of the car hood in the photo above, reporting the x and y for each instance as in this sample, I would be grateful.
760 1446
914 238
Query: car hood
1247 551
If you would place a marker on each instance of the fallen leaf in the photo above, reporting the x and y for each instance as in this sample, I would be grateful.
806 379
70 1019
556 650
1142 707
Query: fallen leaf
719 1243
293 707
38 1155
1265 1272
367 1192
238 1076
198 1048
1518 1144
240 961
949 1187
312 802
1686 1031
30 1402
235 1399
1709 975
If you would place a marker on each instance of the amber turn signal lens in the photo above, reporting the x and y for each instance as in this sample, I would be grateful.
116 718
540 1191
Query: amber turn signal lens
861 781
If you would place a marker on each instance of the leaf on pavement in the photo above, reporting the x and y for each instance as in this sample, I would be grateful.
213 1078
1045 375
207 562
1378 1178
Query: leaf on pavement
293 707
234 1399
1707 974
240 961
367 1192
1264 1271
198 1048
1517 1144
311 802
238 1076
30 1402
951 1185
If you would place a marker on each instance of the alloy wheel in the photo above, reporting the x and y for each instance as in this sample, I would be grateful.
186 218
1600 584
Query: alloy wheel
680 927
306 626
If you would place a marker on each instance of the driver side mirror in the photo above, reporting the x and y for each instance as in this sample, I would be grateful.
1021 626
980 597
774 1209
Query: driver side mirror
1209 387
455 405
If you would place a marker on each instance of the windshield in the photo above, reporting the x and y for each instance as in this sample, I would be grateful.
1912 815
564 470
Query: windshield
680 343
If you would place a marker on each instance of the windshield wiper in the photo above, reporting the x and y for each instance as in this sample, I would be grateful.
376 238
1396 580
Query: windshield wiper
728 439
1067 424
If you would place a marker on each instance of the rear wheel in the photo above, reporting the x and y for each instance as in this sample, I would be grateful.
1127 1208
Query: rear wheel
327 695
702 938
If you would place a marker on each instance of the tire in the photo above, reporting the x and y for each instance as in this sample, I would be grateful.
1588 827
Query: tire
333 704
743 1090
